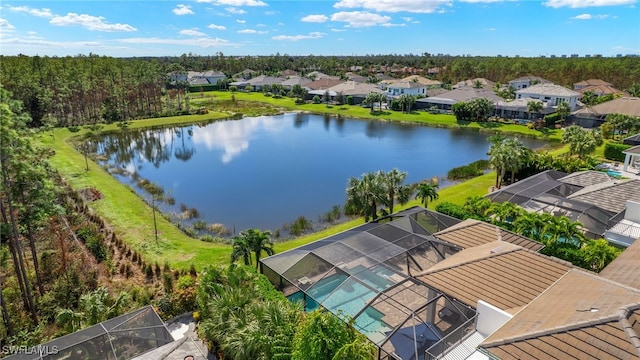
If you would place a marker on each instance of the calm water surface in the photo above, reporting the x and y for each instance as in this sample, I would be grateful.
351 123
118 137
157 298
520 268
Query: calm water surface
263 172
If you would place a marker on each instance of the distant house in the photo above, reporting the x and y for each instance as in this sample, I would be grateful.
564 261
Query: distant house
258 82
519 109
288 72
358 91
550 94
591 82
480 83
319 75
594 116
245 74
322 84
446 100
430 84
526 81
599 90
399 88
206 77
295 80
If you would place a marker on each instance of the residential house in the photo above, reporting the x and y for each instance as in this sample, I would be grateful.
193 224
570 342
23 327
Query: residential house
478 83
594 116
592 198
399 88
591 82
430 84
358 91
550 94
295 80
258 82
205 77
519 109
288 72
446 100
317 75
322 84
526 81
419 284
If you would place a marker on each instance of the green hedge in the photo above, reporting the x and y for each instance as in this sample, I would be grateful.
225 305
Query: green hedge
614 151
198 88
469 171
551 119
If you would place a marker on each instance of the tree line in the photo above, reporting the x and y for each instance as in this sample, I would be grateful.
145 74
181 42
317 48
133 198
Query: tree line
89 89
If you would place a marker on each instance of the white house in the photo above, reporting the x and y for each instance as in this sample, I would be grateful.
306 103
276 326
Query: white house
550 94
406 88
527 81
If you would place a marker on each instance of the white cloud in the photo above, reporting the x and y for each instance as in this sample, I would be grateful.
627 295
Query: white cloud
251 31
271 12
48 43
392 25
182 9
338 30
241 21
490 29
236 2
589 17
204 42
46 13
312 35
315 18
5 26
236 11
93 23
481 1
407 18
360 19
393 6
191 32
586 3
216 27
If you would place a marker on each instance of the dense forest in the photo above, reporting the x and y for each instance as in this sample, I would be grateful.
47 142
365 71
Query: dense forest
89 89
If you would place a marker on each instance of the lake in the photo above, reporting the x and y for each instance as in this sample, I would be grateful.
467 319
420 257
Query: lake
263 172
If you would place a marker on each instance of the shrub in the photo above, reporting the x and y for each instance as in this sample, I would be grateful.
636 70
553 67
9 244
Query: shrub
299 226
316 99
350 100
451 209
551 119
614 151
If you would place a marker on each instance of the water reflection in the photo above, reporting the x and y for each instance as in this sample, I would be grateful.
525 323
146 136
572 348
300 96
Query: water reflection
233 136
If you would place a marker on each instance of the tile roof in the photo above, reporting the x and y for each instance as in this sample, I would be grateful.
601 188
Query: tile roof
530 79
582 316
600 89
462 94
624 105
592 82
633 150
471 233
502 274
625 269
355 88
405 85
322 84
612 197
586 178
296 80
422 80
487 84
547 89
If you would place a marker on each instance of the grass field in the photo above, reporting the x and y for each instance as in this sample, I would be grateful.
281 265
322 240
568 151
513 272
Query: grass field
131 217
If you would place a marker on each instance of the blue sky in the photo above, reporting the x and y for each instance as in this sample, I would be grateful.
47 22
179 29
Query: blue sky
325 27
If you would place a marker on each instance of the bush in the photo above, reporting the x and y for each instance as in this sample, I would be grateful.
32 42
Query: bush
468 171
395 105
551 119
316 99
614 151
451 209
299 226
350 100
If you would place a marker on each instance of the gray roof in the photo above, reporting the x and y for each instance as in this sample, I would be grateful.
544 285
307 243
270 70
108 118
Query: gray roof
406 85
296 80
461 95
612 197
586 178
548 89
355 88
531 79
624 105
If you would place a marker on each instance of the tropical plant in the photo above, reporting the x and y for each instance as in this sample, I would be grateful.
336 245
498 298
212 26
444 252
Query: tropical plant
241 250
251 241
427 191
563 110
406 102
534 107
599 253
364 195
392 182
634 89
581 142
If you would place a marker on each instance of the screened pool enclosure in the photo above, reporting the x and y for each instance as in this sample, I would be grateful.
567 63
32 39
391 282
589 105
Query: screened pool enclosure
366 274
123 337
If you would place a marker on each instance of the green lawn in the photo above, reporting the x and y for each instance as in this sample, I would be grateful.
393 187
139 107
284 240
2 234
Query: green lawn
131 218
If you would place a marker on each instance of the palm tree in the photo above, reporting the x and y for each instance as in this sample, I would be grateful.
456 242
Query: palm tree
515 155
497 158
241 250
563 110
531 225
252 240
427 192
392 182
477 206
534 107
504 214
364 195
561 228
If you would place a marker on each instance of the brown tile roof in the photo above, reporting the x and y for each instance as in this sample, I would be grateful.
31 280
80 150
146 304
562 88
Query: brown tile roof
592 82
611 198
322 84
582 316
586 178
625 269
600 90
471 233
624 105
502 274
